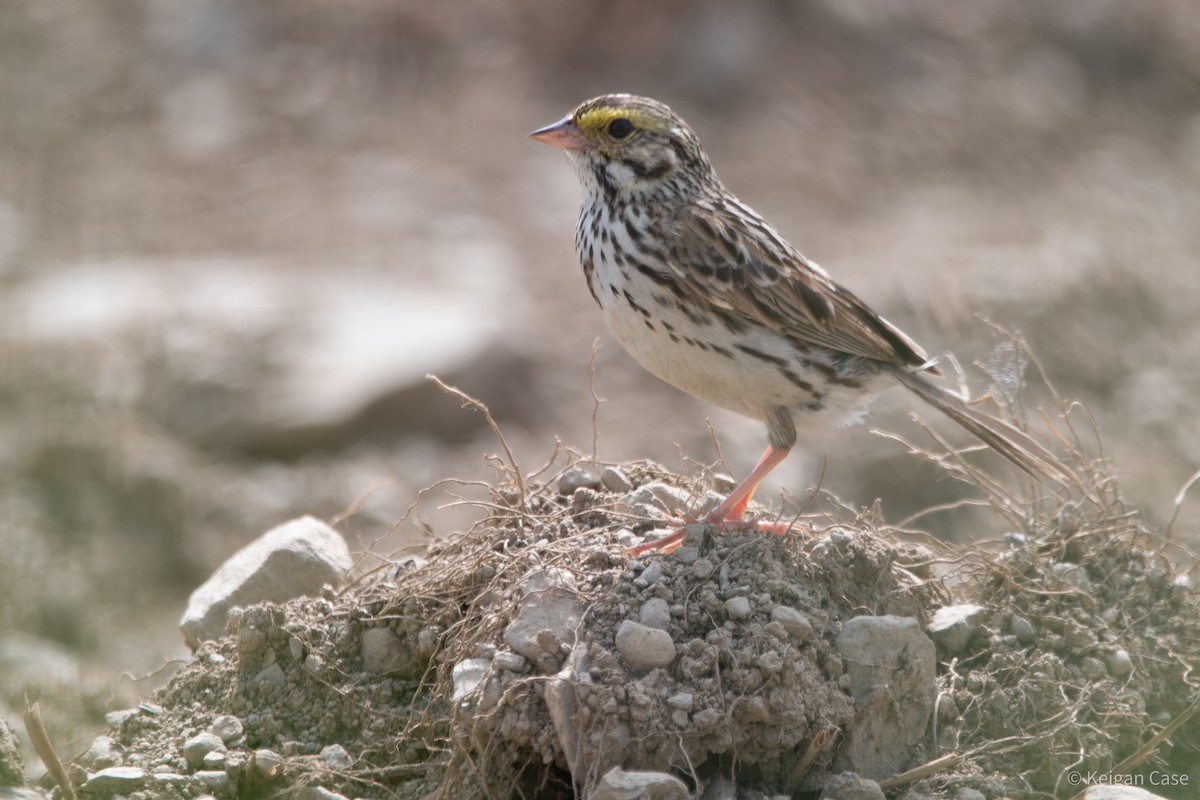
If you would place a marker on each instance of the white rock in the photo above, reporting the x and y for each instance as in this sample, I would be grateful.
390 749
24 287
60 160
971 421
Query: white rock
953 626
643 647
267 763
215 780
226 726
319 793
292 560
1116 792
617 784
336 757
738 608
272 675
116 780
101 754
200 745
468 674
890 664
656 613
796 624
548 615
1119 663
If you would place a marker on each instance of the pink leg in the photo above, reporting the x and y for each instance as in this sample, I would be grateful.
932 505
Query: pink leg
729 512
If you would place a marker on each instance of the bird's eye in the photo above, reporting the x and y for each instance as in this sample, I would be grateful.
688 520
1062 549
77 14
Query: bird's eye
619 128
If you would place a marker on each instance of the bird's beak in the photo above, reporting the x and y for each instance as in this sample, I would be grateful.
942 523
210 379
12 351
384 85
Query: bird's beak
564 133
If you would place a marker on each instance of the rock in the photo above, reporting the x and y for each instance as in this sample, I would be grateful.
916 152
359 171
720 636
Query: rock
796 624
267 763
468 674
657 497
967 793
336 757
721 788
643 647
12 766
890 664
1023 629
272 676
291 560
383 653
577 478
214 760
1119 663
655 613
1117 792
101 754
738 608
319 793
116 780
215 780
228 727
115 719
510 662
200 745
702 568
549 605
586 752
953 626
616 481
683 701
617 784
652 574
849 786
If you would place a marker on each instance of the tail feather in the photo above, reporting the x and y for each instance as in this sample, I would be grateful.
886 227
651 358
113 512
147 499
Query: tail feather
1009 441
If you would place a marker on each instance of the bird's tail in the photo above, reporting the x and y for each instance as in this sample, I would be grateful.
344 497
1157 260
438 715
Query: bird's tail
1009 441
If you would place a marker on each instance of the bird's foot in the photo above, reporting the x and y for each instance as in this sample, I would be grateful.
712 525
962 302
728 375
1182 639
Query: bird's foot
739 524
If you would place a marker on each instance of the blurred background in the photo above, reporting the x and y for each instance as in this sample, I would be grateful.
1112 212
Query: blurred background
235 236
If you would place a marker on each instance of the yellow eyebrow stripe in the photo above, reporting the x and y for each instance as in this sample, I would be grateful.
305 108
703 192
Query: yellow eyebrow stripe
596 120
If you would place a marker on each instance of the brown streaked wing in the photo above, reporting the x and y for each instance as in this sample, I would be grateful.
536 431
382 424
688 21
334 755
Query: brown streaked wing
732 254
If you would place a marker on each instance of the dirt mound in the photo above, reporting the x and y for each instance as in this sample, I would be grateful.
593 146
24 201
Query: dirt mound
527 656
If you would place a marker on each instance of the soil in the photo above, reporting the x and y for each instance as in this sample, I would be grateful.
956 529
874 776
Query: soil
1066 672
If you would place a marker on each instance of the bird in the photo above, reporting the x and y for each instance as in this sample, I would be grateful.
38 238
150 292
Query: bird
709 297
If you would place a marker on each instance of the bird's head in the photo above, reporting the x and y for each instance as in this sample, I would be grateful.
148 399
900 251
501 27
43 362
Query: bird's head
629 145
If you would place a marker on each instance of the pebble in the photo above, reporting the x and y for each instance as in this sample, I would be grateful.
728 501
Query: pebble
618 784
652 574
614 480
101 754
795 623
1023 629
115 719
655 613
683 700
702 568
214 760
509 661
1119 663
953 626
336 757
643 647
200 745
319 793
576 478
468 674
272 675
267 763
849 786
216 780
116 780
227 727
738 608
